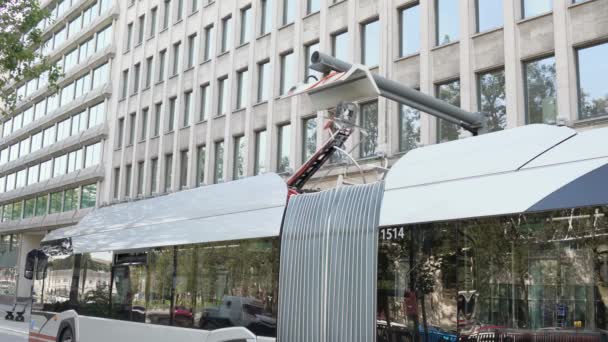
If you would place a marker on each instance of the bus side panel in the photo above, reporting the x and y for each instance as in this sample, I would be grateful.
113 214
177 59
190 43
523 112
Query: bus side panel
46 325
105 330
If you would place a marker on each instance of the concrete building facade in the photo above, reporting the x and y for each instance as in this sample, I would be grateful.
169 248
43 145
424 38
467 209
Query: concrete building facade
194 90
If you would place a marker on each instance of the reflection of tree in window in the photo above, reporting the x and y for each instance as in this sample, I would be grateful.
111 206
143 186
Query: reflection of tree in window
450 93
409 123
541 91
492 99
368 129
310 137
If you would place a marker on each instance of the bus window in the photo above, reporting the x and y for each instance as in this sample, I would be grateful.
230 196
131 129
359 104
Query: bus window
56 287
160 270
542 275
94 287
228 284
128 293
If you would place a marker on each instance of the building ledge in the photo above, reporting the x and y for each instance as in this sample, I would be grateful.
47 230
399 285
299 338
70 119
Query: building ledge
43 223
67 181
77 105
69 144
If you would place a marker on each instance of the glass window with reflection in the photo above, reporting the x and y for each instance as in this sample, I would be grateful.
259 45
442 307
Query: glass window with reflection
409 42
539 275
409 128
592 71
489 14
447 21
339 45
284 148
541 91
289 11
370 43
238 171
218 174
450 93
491 98
309 137
368 129
260 152
531 8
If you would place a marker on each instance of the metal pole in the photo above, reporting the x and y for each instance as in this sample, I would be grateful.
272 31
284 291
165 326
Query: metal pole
473 122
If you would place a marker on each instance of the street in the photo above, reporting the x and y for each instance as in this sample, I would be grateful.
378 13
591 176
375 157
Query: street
11 331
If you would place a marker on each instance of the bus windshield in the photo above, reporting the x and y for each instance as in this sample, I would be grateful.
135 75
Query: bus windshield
538 274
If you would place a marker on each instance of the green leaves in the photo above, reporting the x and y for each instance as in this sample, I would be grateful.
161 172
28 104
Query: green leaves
21 57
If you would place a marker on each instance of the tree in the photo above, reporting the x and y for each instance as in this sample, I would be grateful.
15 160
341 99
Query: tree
21 57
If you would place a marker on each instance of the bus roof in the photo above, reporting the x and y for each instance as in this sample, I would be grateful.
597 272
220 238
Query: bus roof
243 209
525 169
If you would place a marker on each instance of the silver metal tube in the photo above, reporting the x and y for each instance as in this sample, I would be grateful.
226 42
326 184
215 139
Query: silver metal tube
473 122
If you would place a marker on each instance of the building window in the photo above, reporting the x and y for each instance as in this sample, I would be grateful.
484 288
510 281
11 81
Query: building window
409 128
287 72
284 147
223 99
541 100
209 43
162 56
205 102
409 30
242 96
171 116
92 155
194 6
446 21
142 29
176 47
260 152
226 34
124 86
489 14
87 198
266 16
309 50
180 10
136 74
128 171
218 175
157 114
491 98
131 138
153 15
245 25
29 209
168 172
129 36
592 92
148 72
42 205
263 81
116 182
153 175
450 93
140 178
309 138
183 169
191 50
239 158
187 108
532 8
289 11
339 45
370 43
56 202
313 6
166 12
368 124
201 152
143 126
121 132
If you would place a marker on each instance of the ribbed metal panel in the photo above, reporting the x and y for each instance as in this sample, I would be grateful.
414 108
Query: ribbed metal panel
327 287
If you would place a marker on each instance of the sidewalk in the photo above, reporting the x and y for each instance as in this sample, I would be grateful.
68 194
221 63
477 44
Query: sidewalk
11 331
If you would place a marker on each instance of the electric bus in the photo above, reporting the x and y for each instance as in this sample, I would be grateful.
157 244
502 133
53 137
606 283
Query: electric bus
500 237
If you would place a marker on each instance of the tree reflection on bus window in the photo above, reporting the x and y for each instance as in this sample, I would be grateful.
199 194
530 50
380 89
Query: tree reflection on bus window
541 274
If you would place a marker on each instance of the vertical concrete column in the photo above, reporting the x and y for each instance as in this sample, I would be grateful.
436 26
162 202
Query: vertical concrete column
467 77
427 41
513 67
564 63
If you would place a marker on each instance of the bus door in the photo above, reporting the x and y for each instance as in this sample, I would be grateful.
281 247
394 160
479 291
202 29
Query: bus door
129 279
